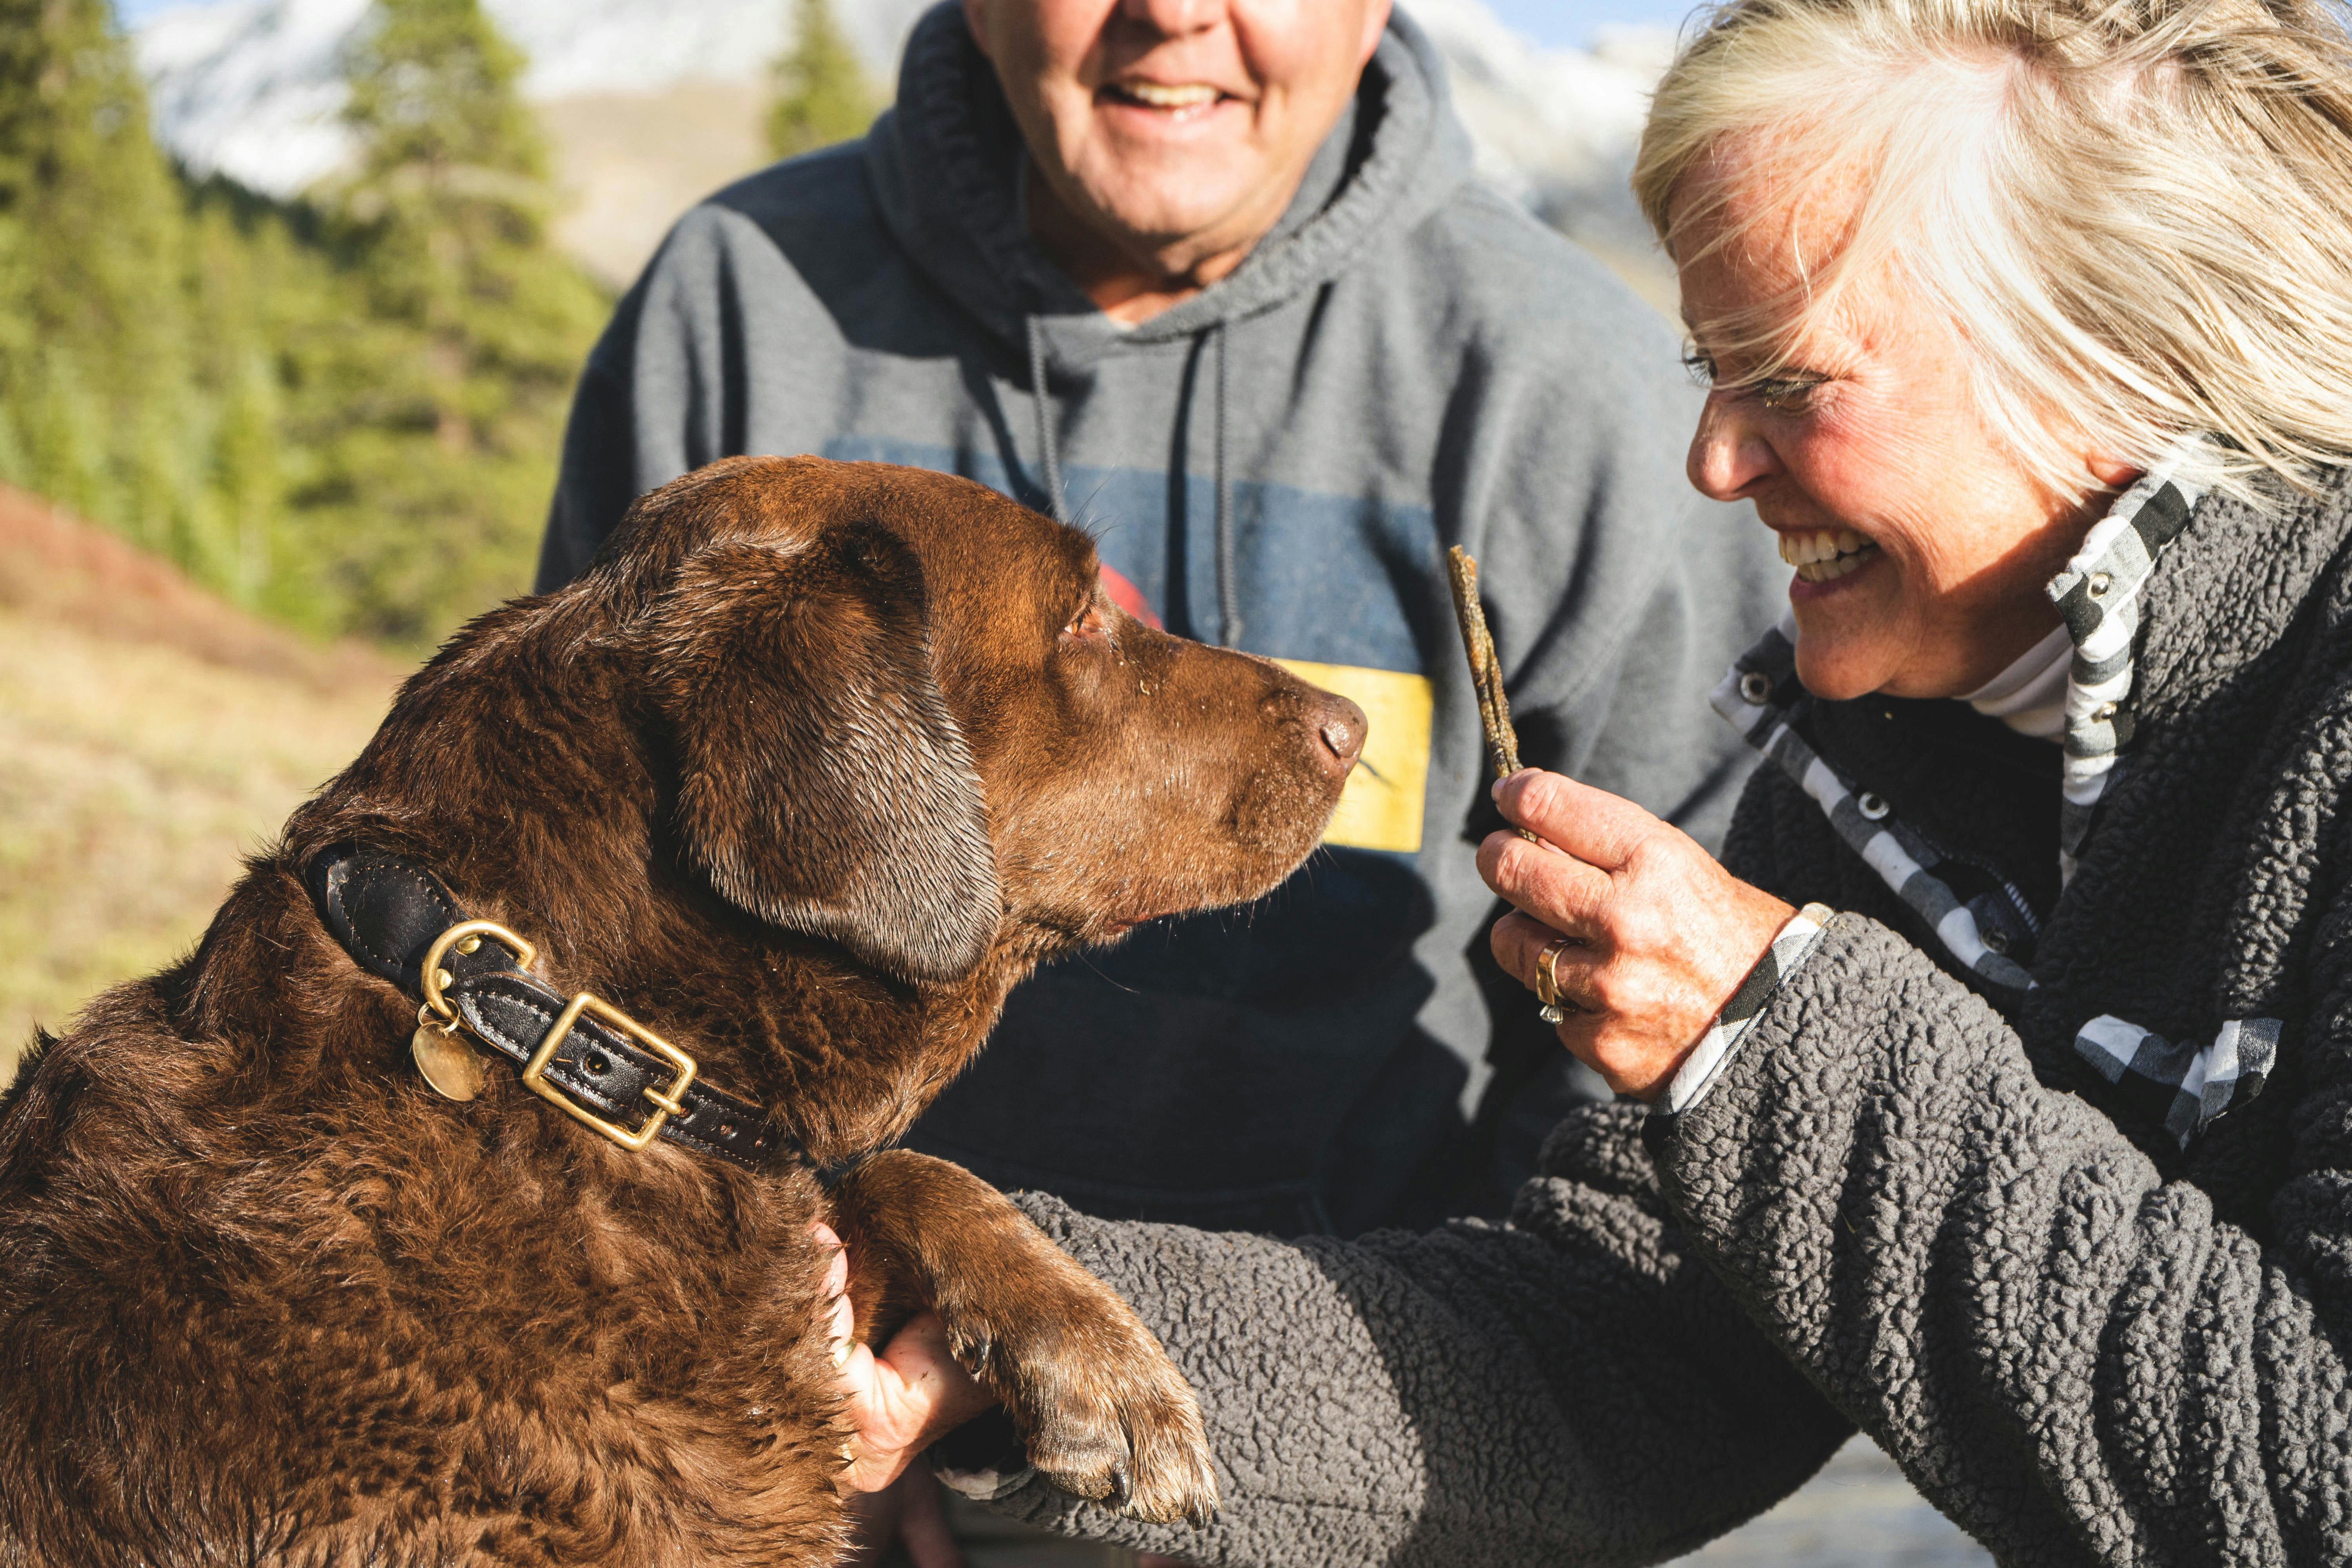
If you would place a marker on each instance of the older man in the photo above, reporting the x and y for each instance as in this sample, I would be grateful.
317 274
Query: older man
1213 277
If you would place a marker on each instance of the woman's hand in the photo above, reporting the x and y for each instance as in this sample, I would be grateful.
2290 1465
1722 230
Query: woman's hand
902 1401
1668 934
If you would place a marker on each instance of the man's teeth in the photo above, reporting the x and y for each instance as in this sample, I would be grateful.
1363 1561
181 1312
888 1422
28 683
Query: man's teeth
1191 95
1824 553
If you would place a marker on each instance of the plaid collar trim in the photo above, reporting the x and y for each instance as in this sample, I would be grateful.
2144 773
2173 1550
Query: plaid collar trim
2180 1085
2098 597
1756 698
1790 949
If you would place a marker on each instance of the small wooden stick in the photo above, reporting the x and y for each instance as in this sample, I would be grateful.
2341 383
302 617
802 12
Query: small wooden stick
1485 670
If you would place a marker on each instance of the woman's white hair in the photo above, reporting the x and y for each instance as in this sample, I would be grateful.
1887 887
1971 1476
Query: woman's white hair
2137 215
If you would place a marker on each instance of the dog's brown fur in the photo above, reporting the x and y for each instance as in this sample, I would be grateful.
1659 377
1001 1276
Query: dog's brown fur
813 765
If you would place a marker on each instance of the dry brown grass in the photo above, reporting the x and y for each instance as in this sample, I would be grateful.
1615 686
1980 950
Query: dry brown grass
149 738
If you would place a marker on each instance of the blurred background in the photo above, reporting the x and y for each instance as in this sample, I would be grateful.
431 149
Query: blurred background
292 293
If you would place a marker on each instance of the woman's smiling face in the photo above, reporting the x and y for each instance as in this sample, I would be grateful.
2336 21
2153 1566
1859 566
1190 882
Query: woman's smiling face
1921 545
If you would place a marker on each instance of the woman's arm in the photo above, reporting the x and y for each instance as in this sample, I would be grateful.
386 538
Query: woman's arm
2072 1357
1571 1388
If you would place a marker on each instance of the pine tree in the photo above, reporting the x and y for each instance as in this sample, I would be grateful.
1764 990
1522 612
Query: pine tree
254 291
344 412
95 397
822 95
450 383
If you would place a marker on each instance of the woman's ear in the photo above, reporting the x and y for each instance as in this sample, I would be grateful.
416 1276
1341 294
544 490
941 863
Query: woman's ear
822 785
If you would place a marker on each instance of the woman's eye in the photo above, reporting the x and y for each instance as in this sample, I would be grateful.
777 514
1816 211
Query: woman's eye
1780 394
1787 395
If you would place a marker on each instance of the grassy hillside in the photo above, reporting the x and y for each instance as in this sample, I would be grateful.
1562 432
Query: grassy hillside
149 736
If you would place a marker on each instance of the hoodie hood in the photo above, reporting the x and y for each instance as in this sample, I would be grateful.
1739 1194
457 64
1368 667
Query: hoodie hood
947 167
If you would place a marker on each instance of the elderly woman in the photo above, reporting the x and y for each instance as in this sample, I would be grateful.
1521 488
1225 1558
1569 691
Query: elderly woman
1995 1095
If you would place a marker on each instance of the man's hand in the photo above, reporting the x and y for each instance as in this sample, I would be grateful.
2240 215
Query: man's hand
901 1400
1667 934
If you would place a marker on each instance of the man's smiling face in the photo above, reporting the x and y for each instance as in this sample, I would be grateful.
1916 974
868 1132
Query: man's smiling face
1177 130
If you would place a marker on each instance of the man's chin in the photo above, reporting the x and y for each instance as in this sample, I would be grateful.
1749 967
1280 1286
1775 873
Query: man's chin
1167 211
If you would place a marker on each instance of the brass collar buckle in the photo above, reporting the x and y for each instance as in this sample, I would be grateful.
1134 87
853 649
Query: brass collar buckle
465 936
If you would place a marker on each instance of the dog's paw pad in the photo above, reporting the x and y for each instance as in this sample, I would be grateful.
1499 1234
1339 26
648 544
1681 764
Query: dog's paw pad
1143 1455
1173 1477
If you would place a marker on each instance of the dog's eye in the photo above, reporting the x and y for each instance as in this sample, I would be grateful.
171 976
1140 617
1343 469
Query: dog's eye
1089 624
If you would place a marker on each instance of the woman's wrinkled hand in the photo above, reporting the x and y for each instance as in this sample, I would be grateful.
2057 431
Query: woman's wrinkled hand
902 1401
1667 933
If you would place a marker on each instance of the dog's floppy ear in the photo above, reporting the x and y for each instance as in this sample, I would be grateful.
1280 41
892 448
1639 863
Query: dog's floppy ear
824 785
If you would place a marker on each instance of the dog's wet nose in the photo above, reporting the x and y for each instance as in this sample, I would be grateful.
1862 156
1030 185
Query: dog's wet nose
1343 732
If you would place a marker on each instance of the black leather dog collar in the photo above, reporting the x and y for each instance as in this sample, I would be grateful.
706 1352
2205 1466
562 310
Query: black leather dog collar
388 912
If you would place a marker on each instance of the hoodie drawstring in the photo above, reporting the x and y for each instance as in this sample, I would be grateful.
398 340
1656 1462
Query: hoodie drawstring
1041 402
1229 591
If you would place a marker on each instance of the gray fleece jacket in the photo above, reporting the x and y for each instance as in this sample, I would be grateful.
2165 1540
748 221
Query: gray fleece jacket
1408 361
2043 1181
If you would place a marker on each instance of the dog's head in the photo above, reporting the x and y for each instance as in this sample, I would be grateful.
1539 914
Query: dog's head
906 718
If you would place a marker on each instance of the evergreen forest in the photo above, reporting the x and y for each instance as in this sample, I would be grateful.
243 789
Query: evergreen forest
343 412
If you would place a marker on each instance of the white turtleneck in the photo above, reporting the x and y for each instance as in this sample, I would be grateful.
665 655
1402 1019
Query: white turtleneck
2030 696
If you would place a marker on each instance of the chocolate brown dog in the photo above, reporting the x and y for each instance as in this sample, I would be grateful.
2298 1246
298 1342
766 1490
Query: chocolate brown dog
811 767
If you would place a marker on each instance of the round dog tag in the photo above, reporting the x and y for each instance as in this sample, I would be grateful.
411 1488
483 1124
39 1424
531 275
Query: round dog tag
452 1067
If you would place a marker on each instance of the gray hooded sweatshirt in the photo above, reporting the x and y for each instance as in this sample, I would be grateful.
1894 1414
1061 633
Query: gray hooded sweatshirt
1279 463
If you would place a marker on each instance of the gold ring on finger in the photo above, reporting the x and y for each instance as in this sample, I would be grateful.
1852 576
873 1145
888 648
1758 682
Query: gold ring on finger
1555 1007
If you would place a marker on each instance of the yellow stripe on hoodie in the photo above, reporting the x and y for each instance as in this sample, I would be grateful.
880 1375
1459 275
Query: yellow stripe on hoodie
1382 807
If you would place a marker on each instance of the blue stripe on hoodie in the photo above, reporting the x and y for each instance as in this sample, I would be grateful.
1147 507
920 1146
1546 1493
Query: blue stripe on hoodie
1321 585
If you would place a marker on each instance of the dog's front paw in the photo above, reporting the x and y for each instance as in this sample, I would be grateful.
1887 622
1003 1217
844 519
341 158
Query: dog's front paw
1107 1417
1102 1411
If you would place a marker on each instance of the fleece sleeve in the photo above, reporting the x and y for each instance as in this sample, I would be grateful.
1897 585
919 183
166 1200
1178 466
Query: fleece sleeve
1571 1386
2076 1358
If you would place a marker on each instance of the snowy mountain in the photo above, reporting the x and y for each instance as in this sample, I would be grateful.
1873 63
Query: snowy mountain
1555 128
251 89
